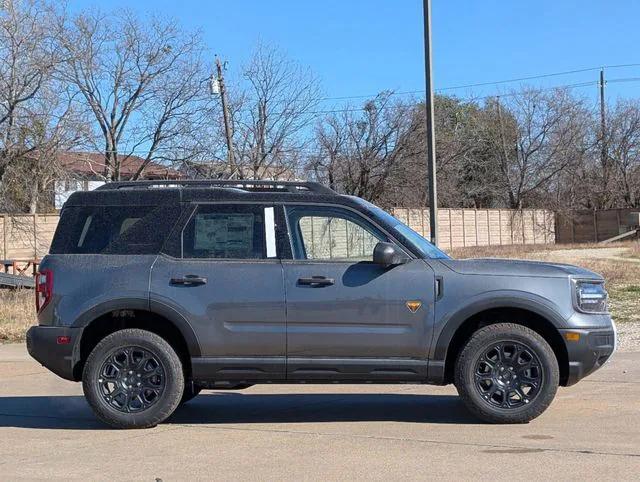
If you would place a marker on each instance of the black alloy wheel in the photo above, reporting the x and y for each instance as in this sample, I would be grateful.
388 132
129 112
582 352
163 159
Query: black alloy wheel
506 373
131 379
509 375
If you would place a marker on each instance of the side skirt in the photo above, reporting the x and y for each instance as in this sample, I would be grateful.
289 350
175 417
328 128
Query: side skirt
309 370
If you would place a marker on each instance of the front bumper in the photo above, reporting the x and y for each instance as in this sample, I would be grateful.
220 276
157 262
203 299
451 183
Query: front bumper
61 359
590 352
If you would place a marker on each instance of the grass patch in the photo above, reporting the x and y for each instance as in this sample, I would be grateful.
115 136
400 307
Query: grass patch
634 249
625 303
17 314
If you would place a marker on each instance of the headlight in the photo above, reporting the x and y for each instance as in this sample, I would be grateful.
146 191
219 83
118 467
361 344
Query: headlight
591 297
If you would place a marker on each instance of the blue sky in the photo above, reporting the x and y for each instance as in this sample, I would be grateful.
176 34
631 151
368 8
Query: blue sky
359 47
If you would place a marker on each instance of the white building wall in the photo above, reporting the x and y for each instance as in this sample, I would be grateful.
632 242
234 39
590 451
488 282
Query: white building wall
64 188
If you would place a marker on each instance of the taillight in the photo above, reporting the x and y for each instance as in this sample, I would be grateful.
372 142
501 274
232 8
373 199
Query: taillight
44 288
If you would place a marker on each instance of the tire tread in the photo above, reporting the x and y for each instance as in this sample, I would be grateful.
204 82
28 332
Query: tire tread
173 389
465 359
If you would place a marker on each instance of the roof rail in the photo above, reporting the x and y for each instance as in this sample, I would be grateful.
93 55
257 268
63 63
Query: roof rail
245 185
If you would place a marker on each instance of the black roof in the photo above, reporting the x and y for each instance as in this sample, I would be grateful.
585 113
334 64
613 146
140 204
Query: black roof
251 185
166 192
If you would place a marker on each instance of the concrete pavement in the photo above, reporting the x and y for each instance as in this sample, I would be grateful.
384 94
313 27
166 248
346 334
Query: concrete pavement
320 432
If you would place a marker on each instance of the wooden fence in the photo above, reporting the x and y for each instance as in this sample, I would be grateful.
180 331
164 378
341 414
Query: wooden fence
593 226
483 227
26 236
29 236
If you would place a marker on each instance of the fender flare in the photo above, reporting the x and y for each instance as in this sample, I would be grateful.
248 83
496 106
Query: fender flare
155 307
493 300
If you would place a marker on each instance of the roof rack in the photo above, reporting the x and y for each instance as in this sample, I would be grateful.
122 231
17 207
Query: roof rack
252 185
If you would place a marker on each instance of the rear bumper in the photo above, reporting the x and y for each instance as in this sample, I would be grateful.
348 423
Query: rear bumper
61 359
588 354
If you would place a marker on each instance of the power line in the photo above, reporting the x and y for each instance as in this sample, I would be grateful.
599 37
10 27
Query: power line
496 82
318 113
627 79
472 98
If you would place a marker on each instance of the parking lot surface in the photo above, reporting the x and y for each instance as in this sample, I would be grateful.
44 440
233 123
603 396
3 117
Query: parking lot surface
320 432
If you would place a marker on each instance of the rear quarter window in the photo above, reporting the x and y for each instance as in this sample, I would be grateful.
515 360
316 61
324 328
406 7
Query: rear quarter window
113 229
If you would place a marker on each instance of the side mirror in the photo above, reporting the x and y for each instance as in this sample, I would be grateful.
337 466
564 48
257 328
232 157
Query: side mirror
388 254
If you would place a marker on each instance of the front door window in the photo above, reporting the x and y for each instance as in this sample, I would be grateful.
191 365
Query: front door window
331 234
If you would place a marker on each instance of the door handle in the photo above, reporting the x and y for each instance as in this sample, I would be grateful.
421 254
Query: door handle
316 281
189 280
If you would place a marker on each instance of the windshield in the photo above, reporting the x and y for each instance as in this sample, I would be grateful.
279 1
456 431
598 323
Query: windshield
405 233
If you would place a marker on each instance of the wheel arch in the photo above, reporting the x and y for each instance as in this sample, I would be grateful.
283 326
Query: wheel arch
116 315
458 329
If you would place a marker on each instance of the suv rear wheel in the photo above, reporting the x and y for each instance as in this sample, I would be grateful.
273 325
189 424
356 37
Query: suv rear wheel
507 373
133 379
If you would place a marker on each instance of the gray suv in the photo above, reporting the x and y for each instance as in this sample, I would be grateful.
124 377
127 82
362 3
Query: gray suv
153 291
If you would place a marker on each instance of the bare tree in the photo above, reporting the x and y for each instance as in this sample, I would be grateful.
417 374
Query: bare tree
547 133
270 109
144 83
28 56
53 124
624 151
464 167
359 150
37 118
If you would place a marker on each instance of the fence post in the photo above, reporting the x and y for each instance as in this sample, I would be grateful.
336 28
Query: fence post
450 229
464 231
488 229
4 236
35 238
533 227
475 222
595 224
512 216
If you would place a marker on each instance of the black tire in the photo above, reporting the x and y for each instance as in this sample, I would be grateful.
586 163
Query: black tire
145 358
191 391
507 373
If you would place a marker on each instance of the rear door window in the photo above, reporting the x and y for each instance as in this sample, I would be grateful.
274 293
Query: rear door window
113 229
230 231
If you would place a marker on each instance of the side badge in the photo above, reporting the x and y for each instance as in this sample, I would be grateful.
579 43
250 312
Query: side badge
414 305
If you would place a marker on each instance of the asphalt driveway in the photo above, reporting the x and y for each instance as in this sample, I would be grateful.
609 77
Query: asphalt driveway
316 432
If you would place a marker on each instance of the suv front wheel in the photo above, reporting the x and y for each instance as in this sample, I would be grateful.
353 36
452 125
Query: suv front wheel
133 379
507 373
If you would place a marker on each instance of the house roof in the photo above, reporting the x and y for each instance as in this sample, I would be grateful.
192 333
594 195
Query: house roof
92 164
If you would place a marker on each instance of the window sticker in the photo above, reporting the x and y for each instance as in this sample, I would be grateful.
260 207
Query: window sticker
225 235
270 231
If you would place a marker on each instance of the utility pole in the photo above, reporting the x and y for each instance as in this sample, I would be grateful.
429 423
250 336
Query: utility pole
603 143
431 141
228 130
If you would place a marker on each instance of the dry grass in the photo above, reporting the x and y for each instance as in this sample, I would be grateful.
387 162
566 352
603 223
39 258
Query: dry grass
634 249
17 314
537 251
